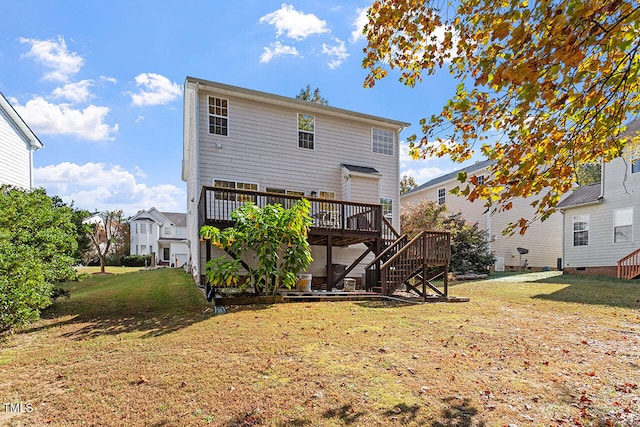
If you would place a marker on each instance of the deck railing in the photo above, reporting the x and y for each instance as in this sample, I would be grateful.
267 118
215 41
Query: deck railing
629 266
216 205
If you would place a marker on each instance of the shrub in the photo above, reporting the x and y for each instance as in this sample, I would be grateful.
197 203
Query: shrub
136 260
37 243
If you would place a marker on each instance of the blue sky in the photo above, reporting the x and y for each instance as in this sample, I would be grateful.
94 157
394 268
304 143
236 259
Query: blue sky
100 83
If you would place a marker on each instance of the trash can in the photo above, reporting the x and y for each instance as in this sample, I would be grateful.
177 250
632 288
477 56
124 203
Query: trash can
338 269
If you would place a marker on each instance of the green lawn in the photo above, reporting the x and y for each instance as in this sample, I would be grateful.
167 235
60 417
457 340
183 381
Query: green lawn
144 349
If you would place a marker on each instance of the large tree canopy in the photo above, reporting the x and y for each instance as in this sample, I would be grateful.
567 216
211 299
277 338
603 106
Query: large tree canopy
556 80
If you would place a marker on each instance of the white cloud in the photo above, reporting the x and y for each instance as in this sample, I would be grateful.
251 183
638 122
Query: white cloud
359 24
156 90
338 53
296 25
55 55
278 49
108 79
96 186
421 170
74 92
47 118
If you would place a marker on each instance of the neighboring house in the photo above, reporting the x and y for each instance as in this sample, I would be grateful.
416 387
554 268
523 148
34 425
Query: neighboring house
542 240
243 145
161 234
599 220
17 144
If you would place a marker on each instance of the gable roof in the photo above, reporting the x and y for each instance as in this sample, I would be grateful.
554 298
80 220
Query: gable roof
162 218
583 195
178 219
20 124
452 175
294 102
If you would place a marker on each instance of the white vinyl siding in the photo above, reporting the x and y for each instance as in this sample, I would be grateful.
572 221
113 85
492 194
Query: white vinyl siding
15 155
623 225
580 230
382 141
542 252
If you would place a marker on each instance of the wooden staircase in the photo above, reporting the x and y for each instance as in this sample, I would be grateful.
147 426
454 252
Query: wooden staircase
629 266
423 258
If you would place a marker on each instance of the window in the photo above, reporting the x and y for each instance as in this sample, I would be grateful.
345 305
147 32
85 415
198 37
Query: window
383 141
143 228
480 179
167 231
295 193
306 131
387 207
623 225
219 183
276 190
326 195
581 230
218 116
442 196
143 248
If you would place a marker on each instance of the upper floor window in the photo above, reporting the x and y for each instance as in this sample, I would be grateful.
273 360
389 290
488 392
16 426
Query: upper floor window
480 179
383 141
623 225
143 228
306 131
581 230
442 196
167 231
218 116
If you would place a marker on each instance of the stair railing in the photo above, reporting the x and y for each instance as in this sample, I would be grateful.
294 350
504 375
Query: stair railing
428 248
629 266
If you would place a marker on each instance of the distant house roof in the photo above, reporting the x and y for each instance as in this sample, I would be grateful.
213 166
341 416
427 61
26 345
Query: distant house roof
474 167
581 196
361 169
178 219
632 127
22 126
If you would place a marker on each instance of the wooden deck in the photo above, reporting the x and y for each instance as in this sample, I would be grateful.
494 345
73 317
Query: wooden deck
397 260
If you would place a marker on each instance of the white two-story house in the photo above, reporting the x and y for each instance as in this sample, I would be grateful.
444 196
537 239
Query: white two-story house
542 241
17 144
600 235
244 145
160 234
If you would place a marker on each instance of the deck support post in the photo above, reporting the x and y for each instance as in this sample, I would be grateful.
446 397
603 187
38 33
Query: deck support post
329 263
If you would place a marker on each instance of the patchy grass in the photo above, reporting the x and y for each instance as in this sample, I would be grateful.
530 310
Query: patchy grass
145 349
